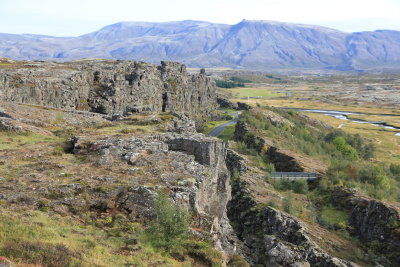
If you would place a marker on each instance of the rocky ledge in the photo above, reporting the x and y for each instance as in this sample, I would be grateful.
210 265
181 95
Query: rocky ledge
190 167
373 221
109 87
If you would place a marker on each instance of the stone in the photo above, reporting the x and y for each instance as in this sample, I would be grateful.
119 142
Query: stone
203 159
271 237
111 87
370 219
225 103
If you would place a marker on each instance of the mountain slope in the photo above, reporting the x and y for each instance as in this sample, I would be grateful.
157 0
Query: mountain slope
248 44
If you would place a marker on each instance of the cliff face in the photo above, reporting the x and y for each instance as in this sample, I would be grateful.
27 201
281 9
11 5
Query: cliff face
271 237
371 220
191 167
109 87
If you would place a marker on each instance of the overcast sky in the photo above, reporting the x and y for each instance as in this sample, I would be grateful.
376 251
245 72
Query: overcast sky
76 17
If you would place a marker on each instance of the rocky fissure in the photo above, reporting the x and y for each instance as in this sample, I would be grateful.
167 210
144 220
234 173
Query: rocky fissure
271 237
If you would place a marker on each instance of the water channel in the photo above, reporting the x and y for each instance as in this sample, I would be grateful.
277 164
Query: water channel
344 115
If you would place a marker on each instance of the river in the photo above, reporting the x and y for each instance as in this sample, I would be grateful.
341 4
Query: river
344 115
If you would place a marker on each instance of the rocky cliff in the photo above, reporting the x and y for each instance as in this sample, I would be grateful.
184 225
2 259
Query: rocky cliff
271 237
108 87
190 167
373 221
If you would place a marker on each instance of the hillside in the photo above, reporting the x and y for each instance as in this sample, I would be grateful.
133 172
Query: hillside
102 164
262 45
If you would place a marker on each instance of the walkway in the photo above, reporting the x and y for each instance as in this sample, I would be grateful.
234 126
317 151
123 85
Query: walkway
295 175
220 128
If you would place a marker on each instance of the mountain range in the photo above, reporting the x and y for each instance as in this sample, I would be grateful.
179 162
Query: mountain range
262 45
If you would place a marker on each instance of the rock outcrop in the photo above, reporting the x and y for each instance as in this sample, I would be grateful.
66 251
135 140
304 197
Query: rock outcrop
191 167
271 237
109 87
371 220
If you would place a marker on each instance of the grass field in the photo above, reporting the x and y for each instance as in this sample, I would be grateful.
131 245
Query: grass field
254 92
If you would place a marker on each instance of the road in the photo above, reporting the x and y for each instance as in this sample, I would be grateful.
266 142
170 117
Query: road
220 128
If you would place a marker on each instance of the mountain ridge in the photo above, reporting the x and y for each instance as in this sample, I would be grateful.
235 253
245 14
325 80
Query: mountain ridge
249 44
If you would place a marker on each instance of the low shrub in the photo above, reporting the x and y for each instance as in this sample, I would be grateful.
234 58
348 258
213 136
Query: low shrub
171 225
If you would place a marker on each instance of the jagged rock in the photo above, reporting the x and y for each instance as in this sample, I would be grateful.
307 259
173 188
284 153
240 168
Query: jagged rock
284 160
370 219
235 162
111 87
225 103
138 201
241 129
281 254
199 159
10 125
271 237
182 124
243 106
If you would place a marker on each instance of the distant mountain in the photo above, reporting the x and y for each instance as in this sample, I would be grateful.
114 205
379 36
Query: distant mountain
249 44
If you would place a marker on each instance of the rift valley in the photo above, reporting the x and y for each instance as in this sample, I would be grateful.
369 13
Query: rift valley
110 163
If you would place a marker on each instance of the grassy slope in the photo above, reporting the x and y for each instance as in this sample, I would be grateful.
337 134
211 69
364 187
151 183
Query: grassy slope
322 220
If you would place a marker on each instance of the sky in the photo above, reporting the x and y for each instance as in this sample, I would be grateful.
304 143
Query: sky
77 17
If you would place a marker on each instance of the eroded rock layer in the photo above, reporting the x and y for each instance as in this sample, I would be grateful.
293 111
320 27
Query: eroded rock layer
109 87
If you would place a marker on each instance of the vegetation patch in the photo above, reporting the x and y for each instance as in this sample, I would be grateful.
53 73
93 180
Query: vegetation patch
228 84
211 125
254 92
333 218
227 133
41 253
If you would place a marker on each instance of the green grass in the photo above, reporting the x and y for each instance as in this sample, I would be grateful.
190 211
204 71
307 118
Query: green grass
254 92
330 216
211 125
83 245
229 110
227 133
13 140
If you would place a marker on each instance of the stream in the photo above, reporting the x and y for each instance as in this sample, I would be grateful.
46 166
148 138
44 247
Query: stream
344 115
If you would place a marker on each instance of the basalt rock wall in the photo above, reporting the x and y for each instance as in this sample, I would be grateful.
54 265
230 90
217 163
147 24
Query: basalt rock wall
373 221
109 87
